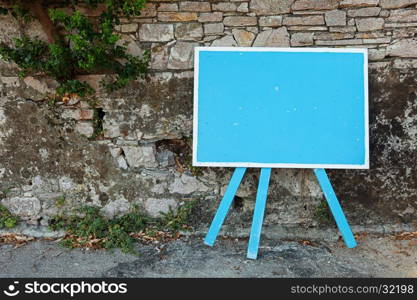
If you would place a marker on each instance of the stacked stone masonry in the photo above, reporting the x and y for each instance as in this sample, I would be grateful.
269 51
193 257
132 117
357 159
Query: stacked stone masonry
143 156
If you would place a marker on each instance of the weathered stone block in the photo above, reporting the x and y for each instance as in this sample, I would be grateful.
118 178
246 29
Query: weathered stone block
369 24
243 38
271 7
358 3
224 6
270 21
186 184
213 28
397 3
140 156
315 4
226 41
85 128
364 12
182 56
273 38
168 7
159 57
156 32
195 6
210 17
302 39
24 207
403 16
240 21
177 16
189 31
243 7
335 18
403 48
340 42
132 27
305 20
156 207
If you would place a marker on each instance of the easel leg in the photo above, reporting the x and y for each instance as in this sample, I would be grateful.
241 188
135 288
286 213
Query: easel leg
224 206
335 208
258 214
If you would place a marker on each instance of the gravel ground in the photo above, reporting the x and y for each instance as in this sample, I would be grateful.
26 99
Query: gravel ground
189 257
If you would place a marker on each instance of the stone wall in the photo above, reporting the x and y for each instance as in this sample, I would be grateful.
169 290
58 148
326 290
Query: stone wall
48 164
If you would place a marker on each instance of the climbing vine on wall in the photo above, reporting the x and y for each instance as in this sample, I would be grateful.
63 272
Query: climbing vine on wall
77 44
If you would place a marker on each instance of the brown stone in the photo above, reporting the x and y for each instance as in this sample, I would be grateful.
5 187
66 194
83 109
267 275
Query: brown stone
305 20
177 16
195 6
273 38
210 17
326 36
359 3
403 15
243 38
213 28
271 7
224 6
188 31
335 18
397 3
370 24
300 39
240 21
270 21
403 48
364 12
315 4
168 7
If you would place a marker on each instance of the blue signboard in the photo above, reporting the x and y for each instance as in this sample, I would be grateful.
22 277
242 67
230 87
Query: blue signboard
280 108
275 107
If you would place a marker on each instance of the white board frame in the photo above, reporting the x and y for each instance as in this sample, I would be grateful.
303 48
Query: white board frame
197 50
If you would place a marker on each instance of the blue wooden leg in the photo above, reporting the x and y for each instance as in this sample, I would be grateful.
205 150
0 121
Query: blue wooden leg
335 208
258 214
224 206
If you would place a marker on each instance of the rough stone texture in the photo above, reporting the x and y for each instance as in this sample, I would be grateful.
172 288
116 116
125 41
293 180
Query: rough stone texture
315 4
273 38
177 16
189 31
397 3
156 32
243 38
213 28
182 55
195 6
307 20
210 17
369 24
240 21
144 152
403 15
302 39
226 41
358 3
403 48
335 18
364 12
155 207
271 7
270 21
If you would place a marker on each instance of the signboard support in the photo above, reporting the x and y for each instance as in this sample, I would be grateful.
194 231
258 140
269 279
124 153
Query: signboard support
260 205
335 208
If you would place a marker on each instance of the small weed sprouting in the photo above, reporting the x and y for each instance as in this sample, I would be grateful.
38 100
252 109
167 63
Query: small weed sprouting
7 220
322 213
87 227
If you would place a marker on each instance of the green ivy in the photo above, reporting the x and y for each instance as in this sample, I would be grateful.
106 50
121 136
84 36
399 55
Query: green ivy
85 48
6 218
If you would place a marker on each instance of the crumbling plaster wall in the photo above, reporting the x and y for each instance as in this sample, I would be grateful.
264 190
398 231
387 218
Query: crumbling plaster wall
48 164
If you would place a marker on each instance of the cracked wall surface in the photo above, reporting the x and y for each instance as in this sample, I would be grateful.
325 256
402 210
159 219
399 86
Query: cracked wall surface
48 164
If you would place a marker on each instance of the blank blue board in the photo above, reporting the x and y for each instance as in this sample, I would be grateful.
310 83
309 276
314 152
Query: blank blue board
281 108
